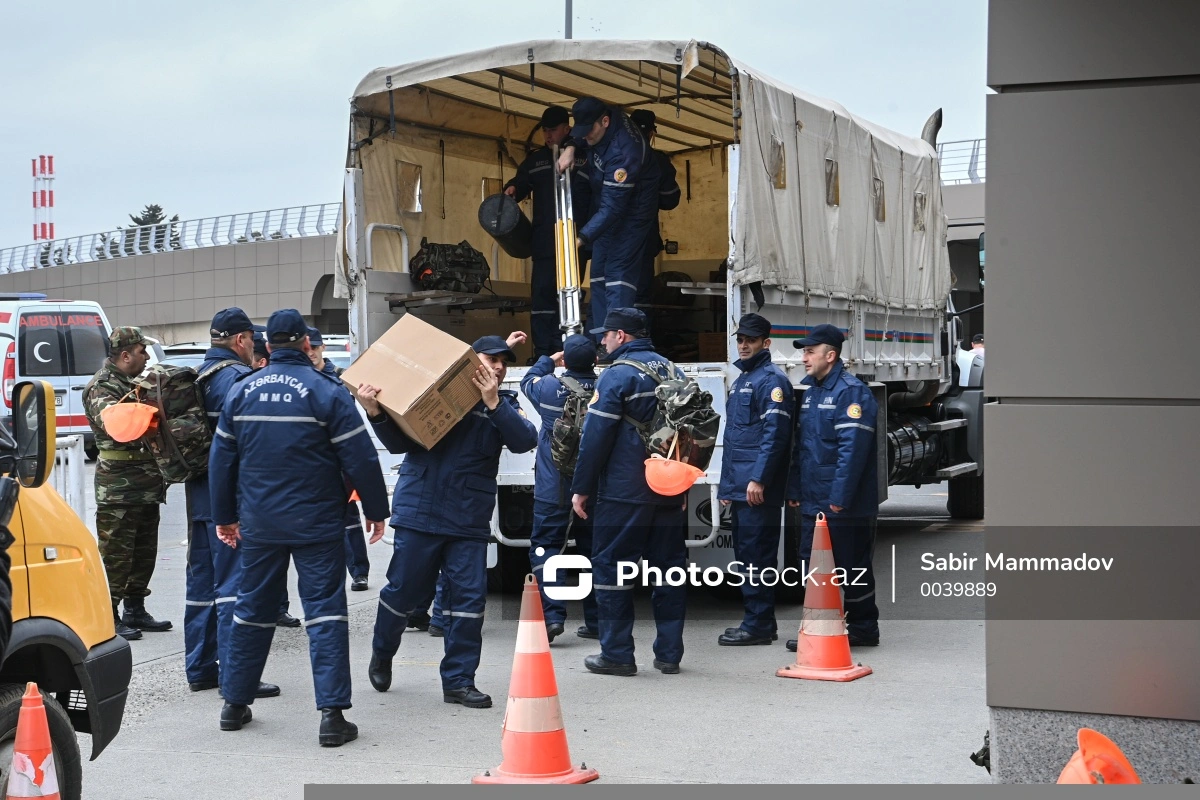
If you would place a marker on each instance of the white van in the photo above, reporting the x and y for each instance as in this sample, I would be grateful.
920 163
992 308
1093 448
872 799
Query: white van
63 342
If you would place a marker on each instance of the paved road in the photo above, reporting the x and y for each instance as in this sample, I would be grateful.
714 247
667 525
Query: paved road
725 718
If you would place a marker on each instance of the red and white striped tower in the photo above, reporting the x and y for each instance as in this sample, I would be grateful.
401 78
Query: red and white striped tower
43 198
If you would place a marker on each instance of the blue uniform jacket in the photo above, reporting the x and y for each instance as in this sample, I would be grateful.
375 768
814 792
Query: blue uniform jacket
612 455
286 436
451 489
536 175
215 389
834 455
625 180
547 392
758 431
668 186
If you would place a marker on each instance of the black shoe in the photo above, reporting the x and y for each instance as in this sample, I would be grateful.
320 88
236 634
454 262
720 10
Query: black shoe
203 686
731 631
359 584
863 641
583 632
602 666
234 716
554 630
791 645
418 620
335 730
436 630
126 632
136 616
286 620
666 667
380 673
467 696
263 690
741 638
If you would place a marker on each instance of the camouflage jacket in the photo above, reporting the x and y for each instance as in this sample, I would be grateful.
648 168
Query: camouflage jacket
130 476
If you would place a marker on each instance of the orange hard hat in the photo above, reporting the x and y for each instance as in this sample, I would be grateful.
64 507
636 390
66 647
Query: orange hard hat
125 422
1097 761
669 477
354 496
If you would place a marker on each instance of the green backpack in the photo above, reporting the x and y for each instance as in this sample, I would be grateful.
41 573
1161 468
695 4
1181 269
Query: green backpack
685 424
568 429
181 440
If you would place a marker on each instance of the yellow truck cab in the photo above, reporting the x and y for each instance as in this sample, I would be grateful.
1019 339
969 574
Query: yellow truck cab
62 635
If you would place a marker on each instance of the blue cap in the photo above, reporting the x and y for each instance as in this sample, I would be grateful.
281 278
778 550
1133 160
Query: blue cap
260 345
494 346
754 325
629 320
554 116
314 338
579 353
645 120
822 334
229 322
286 325
586 111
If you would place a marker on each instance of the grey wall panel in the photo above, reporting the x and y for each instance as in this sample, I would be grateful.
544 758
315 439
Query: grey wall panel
1093 272
1050 41
1092 465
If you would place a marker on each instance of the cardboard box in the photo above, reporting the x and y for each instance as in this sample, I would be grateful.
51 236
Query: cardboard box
424 378
713 347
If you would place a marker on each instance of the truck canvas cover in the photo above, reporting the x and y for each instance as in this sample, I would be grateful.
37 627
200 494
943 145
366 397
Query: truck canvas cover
811 176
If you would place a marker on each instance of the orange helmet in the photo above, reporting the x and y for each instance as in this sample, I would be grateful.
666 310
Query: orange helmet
1097 760
669 477
125 422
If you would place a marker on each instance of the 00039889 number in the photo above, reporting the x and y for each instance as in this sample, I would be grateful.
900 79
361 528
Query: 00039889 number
958 589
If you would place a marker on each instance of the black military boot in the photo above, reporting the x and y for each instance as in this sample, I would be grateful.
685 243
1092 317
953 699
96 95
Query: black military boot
379 671
136 616
123 630
335 730
234 716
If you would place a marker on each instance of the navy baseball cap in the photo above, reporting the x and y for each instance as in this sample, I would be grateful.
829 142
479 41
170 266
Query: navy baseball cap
554 116
260 345
314 337
586 111
229 322
286 325
754 325
645 120
494 346
629 320
977 339
579 353
822 334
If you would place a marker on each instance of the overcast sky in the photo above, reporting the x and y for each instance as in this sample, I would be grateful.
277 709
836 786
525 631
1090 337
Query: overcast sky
227 106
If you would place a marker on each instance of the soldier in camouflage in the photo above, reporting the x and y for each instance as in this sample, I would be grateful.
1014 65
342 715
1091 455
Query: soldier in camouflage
129 489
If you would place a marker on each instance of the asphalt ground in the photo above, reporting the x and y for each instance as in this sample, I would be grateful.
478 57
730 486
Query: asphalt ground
725 718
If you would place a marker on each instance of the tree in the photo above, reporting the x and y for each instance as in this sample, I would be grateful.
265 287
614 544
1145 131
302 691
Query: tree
154 235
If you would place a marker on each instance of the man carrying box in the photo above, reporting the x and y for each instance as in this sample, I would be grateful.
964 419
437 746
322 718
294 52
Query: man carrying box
441 512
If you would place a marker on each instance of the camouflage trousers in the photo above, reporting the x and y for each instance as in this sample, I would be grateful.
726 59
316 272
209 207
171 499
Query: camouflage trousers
129 547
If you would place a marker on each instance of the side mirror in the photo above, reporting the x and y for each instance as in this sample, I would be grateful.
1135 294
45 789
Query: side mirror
982 259
34 429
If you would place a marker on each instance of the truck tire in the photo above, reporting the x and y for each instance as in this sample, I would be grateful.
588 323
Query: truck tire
67 764
966 497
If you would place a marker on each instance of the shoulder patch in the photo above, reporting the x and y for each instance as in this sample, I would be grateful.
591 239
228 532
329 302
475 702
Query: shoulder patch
595 397
854 411
521 411
777 394
620 175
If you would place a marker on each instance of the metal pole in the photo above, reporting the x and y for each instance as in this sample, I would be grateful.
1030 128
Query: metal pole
569 16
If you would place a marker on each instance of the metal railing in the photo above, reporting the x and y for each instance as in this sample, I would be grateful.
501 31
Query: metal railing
964 161
166 237
68 476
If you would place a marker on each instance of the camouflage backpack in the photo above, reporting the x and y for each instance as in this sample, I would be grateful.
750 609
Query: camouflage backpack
568 429
449 267
684 419
181 440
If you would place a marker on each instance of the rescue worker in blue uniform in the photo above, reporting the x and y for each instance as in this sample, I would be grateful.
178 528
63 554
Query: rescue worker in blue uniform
631 522
668 199
834 473
624 209
286 437
536 175
212 568
357 562
553 522
754 462
441 513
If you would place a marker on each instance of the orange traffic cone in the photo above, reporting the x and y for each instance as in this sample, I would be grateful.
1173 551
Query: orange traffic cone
822 646
33 773
533 742
1096 761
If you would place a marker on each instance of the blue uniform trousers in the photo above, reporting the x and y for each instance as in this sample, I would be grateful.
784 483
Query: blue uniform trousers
357 563
211 588
550 522
756 532
322 584
412 576
631 532
543 318
853 540
617 262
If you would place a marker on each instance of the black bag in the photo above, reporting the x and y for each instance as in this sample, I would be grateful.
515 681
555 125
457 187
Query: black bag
568 429
449 267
